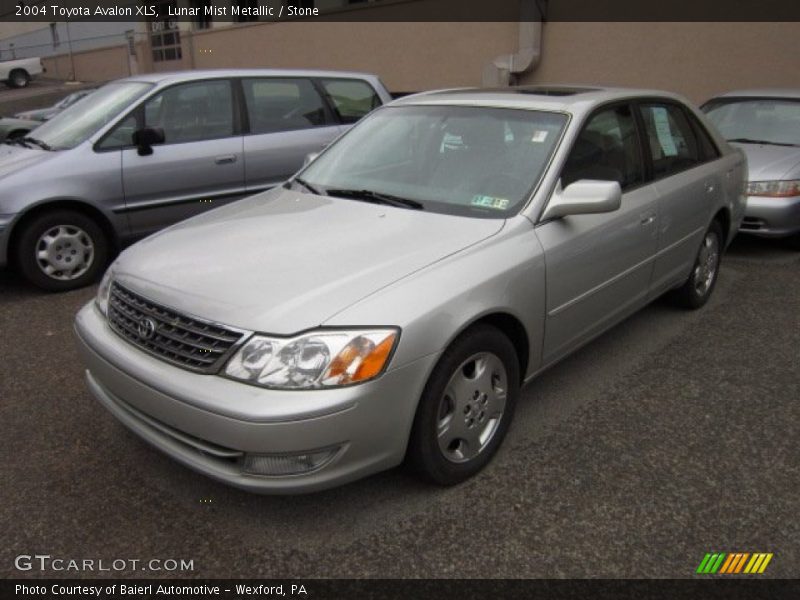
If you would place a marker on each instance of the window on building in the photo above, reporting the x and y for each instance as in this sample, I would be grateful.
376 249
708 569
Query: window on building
54 34
352 99
201 20
165 39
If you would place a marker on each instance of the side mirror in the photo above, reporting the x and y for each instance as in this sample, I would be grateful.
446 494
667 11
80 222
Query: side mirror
310 157
145 139
586 196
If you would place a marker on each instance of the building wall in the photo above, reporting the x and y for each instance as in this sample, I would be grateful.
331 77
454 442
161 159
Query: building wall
695 59
407 56
698 60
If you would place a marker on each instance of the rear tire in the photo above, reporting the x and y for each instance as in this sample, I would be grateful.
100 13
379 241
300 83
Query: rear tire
61 250
466 408
697 289
19 78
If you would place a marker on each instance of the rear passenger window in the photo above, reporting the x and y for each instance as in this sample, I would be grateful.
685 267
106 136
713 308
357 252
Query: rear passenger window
351 99
282 105
708 149
672 141
606 149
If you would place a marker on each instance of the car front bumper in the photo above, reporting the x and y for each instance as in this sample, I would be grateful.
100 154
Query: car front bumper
211 423
771 217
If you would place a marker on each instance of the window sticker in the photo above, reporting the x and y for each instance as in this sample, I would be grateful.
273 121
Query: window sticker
661 121
489 202
539 136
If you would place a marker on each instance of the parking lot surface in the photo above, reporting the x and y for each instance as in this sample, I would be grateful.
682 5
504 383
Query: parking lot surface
672 435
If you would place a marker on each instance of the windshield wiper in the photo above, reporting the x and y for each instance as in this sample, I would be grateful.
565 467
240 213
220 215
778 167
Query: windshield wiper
307 185
749 141
376 198
39 143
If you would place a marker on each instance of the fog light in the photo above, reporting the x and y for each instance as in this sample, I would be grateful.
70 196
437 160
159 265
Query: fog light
288 464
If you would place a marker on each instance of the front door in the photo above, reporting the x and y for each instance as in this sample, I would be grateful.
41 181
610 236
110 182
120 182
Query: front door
599 265
199 166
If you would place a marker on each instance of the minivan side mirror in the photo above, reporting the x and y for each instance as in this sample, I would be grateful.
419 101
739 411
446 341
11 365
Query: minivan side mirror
144 139
586 196
310 157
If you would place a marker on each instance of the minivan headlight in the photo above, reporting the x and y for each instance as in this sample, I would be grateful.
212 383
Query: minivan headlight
319 359
101 300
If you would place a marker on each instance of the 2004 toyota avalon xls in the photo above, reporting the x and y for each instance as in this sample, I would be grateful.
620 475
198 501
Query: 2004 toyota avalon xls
388 302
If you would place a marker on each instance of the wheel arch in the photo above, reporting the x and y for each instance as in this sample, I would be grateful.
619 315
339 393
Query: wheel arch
61 204
723 216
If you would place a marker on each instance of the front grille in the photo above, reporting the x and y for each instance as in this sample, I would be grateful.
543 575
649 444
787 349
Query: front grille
171 336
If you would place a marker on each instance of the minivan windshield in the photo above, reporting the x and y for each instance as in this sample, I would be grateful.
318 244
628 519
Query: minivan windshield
757 120
77 123
464 160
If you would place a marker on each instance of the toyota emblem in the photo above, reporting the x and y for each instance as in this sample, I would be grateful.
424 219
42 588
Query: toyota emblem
146 328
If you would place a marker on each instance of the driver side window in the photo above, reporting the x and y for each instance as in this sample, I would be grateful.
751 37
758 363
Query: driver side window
607 149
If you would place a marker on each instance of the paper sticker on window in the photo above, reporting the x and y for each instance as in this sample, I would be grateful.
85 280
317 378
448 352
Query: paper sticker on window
539 136
664 133
489 202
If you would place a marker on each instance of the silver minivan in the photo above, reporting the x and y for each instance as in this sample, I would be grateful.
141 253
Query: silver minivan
148 151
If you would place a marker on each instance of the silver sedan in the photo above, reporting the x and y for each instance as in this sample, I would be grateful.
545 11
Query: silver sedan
765 123
388 302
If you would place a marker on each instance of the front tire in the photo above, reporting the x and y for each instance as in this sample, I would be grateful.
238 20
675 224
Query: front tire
466 408
697 289
62 250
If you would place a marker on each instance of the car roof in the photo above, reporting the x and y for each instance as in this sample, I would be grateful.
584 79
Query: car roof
762 93
562 98
180 76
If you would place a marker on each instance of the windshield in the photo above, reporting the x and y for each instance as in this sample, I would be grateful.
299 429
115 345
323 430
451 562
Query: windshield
474 161
757 120
84 118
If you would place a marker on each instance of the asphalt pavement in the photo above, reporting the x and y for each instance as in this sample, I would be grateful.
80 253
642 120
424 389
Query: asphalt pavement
673 435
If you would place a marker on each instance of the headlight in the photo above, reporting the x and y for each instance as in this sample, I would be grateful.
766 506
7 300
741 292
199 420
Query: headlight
774 189
318 359
103 292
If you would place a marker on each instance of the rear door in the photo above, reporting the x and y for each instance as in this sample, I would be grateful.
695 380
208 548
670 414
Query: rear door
200 164
599 266
286 119
688 183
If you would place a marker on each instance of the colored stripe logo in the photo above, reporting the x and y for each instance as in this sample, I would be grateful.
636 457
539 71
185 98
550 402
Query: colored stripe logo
734 563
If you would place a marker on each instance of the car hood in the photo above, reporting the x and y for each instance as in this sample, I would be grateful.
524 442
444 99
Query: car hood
284 261
14 158
766 162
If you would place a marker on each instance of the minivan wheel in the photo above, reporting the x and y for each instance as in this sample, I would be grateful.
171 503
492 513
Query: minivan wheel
19 78
466 407
61 250
697 289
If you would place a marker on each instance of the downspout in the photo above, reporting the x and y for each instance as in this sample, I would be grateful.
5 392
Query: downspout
506 68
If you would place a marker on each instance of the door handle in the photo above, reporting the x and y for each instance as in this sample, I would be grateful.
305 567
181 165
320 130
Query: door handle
647 220
225 160
710 187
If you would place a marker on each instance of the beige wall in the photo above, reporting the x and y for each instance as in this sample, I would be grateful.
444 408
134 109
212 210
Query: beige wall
407 56
92 65
698 60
